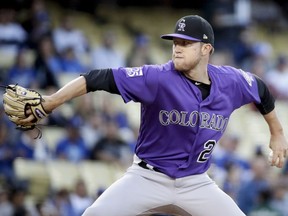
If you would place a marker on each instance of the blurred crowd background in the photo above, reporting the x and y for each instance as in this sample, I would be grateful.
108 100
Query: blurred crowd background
88 143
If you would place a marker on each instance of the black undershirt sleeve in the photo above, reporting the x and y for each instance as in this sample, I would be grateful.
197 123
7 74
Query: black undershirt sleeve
267 103
101 80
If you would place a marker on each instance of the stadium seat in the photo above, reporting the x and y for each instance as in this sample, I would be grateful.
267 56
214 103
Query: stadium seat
35 173
6 60
52 135
62 174
96 175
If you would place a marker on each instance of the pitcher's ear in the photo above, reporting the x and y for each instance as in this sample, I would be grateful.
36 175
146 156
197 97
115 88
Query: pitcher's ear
207 48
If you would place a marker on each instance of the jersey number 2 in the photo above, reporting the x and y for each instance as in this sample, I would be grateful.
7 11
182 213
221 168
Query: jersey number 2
205 154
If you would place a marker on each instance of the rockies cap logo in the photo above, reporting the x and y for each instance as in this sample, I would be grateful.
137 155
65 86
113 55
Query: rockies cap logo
181 25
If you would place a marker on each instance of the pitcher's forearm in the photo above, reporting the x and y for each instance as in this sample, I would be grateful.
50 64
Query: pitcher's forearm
274 124
73 89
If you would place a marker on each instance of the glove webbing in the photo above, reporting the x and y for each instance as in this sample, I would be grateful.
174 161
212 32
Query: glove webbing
24 98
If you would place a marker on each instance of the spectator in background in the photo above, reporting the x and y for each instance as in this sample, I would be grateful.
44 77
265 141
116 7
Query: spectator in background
80 199
225 154
56 204
250 189
280 195
69 62
84 106
277 78
45 208
112 113
22 72
72 147
17 199
92 130
263 206
243 50
67 36
6 155
12 36
111 148
62 203
12 134
38 22
260 61
228 18
6 208
228 164
140 52
232 181
106 55
47 64
28 147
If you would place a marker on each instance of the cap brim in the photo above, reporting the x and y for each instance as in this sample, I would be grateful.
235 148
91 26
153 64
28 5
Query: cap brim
175 35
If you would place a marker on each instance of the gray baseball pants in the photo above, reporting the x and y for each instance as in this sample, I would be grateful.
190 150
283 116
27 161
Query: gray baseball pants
143 192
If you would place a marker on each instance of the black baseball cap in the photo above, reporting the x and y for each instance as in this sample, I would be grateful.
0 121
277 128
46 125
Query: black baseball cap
192 27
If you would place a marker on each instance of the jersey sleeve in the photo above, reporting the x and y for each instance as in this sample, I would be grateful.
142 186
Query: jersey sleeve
138 84
267 100
247 88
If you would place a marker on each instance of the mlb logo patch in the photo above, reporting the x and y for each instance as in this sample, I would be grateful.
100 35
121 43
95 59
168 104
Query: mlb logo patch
133 72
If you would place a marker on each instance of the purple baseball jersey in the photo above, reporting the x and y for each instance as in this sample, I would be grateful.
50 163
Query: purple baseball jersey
178 129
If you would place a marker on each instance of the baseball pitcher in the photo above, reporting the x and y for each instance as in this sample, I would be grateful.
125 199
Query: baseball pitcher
186 104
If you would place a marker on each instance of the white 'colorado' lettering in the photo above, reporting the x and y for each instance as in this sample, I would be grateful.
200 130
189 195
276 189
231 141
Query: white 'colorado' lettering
192 119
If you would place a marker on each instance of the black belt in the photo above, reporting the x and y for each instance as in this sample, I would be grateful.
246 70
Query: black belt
144 165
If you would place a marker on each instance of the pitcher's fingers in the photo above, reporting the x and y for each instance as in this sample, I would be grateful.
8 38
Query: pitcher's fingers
274 159
28 110
285 152
281 160
27 121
